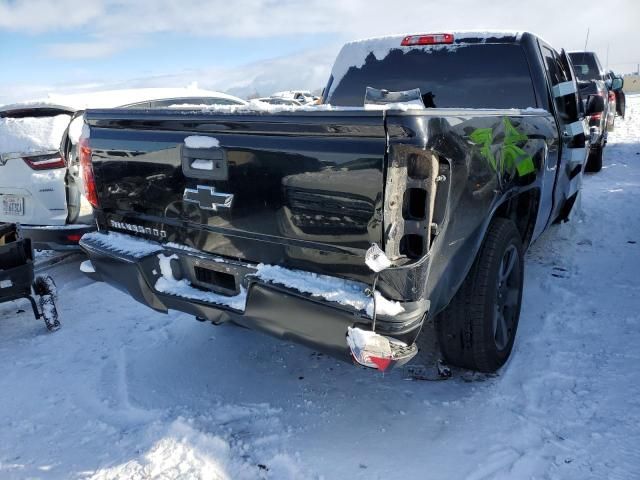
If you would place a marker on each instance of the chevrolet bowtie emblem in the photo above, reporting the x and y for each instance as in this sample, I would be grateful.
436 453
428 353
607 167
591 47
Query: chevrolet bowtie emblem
207 197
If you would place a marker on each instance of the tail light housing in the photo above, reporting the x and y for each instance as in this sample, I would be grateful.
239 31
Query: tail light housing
74 237
88 179
45 162
612 96
427 39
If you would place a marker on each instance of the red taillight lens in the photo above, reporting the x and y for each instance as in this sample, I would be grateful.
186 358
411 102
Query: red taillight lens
74 237
596 116
44 162
427 39
87 173
612 97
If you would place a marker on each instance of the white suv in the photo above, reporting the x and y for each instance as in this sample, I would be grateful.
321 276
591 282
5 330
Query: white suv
40 181
33 189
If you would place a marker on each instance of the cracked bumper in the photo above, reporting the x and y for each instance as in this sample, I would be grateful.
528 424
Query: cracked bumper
275 309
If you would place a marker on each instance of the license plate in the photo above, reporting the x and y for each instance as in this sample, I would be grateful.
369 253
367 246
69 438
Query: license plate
13 205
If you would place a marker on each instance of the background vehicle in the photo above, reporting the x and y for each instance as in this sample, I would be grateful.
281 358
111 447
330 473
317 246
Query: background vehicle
303 96
187 100
616 85
611 110
279 211
44 193
280 101
32 175
593 82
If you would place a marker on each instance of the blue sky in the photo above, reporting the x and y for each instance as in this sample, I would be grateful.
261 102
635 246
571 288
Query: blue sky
28 56
66 45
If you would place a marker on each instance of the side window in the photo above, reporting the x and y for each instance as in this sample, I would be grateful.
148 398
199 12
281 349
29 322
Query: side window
552 66
559 72
572 102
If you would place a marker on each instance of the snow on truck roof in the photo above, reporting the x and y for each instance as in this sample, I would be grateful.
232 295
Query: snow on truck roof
354 54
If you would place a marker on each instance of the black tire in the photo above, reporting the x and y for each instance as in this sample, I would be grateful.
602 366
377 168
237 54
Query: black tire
478 328
44 285
594 160
49 312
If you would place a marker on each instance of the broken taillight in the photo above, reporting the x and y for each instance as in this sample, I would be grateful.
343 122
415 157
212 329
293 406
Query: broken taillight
87 172
372 350
427 39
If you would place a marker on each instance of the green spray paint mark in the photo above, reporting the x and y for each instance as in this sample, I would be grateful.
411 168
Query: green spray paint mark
511 155
484 137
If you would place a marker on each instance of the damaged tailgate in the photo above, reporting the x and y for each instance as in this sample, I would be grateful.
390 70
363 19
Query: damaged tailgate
301 189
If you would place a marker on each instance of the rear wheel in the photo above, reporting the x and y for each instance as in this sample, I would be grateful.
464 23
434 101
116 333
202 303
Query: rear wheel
478 328
594 160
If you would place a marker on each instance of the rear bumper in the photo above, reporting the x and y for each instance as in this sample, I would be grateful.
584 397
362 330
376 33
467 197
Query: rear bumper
65 237
275 309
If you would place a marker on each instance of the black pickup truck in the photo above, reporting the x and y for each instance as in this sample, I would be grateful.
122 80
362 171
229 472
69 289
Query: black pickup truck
402 205
593 80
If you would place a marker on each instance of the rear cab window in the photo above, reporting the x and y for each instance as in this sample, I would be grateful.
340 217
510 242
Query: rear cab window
465 75
586 66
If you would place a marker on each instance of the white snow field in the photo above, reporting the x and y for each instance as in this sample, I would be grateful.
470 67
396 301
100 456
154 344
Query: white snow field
122 392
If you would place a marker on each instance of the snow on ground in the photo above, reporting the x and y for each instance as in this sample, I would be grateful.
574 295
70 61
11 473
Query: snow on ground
124 392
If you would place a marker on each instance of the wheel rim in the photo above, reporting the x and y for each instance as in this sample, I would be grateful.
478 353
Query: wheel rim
507 298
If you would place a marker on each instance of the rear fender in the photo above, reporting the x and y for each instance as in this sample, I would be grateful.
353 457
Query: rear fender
479 167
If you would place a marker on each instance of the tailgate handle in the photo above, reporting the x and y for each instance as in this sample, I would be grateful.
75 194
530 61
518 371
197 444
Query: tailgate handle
206 163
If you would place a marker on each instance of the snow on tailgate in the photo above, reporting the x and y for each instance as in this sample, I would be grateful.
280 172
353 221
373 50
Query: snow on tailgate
199 141
31 134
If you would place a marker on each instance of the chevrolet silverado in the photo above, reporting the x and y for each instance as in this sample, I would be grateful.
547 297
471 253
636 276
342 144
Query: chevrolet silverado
394 215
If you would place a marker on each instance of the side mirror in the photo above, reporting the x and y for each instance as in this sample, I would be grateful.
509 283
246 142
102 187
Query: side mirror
595 104
617 84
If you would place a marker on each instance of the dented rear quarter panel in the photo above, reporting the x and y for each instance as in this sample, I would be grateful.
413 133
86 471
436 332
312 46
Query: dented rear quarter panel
475 150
